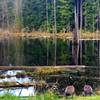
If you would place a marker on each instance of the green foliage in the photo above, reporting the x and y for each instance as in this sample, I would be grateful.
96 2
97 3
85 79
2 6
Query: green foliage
64 15
34 15
90 14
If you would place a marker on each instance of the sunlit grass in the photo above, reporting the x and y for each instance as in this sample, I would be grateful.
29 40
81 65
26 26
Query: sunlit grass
54 97
87 98
9 97
48 96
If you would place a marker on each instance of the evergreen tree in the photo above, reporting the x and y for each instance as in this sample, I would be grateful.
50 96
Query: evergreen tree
34 14
90 13
64 15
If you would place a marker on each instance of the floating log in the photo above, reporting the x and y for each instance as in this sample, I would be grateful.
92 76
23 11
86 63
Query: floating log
33 68
14 84
75 77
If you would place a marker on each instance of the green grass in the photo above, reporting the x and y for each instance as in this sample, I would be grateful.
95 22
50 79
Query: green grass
51 96
87 98
48 96
8 97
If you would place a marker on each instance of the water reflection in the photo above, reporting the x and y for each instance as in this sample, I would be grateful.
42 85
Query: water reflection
20 91
30 91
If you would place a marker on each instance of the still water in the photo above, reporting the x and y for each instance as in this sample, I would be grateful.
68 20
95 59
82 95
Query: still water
19 91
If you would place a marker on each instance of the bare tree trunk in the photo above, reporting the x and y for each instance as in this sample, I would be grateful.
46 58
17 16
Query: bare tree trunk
55 32
81 15
98 41
75 48
81 24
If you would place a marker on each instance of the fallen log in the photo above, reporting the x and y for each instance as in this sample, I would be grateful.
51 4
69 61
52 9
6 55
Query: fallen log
14 84
32 68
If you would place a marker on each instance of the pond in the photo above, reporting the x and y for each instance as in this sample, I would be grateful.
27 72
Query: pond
39 52
17 91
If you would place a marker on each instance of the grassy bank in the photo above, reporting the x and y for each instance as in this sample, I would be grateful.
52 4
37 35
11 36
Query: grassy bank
36 34
48 96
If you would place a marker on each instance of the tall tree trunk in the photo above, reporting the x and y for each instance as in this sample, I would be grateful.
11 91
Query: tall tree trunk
81 24
75 48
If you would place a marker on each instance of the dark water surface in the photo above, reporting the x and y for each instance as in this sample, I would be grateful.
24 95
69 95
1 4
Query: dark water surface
41 52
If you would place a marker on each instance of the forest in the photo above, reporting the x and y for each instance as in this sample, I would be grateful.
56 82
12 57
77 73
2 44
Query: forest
45 16
38 15
50 49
